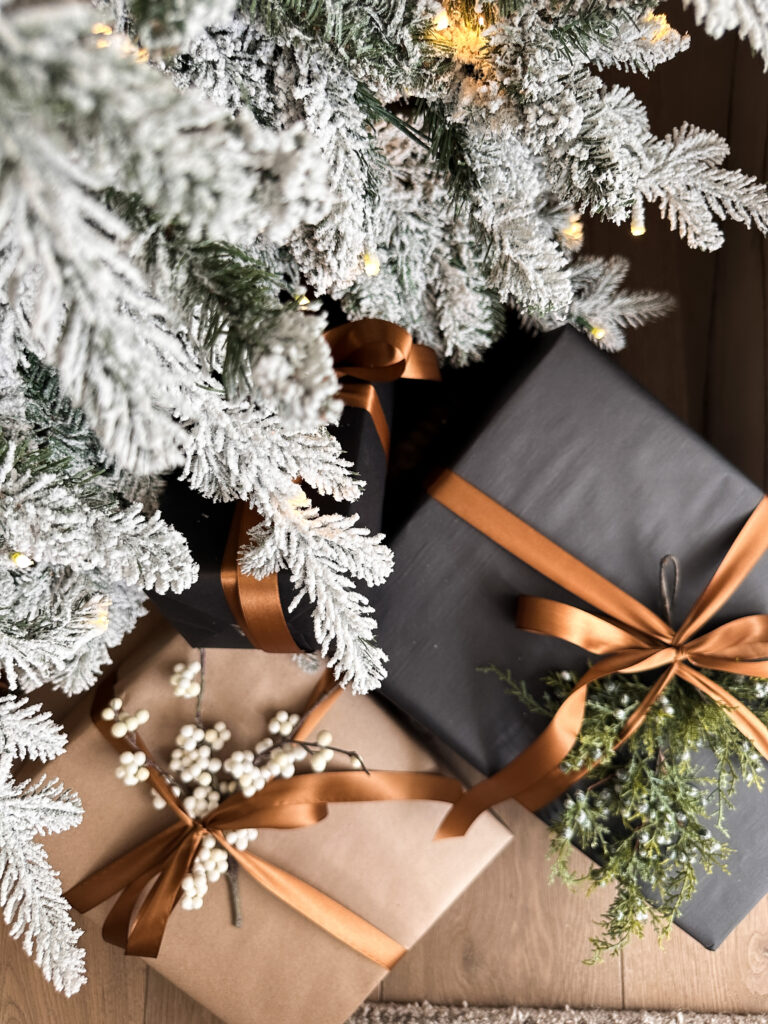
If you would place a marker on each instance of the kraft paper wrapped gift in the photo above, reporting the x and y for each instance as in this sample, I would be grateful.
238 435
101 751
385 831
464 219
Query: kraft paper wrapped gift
577 450
378 859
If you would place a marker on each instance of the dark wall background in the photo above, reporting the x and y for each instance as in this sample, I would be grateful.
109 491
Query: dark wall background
707 361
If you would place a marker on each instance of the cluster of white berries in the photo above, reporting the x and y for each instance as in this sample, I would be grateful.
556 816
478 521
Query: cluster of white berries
122 721
282 724
133 767
194 761
210 863
185 679
240 837
192 757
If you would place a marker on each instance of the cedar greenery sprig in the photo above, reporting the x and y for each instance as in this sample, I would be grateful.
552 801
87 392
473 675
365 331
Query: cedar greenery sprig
653 813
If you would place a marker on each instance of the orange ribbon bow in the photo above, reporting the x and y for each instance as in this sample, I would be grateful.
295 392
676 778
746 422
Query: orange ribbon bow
630 638
136 922
376 351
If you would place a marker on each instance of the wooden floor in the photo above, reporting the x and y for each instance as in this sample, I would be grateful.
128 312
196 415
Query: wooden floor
512 938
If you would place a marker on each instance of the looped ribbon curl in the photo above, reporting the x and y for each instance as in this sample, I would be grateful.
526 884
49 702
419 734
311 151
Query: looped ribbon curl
628 637
374 352
137 920
370 351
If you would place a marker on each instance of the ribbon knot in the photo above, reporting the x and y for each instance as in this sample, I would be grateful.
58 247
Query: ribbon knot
628 637
375 352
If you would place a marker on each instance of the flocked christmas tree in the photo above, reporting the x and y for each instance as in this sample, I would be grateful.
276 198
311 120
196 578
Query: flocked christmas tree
180 183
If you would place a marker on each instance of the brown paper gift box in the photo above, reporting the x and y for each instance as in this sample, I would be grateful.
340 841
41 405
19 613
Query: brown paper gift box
376 858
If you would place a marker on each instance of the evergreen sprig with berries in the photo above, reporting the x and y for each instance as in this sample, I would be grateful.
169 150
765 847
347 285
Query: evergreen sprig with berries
653 813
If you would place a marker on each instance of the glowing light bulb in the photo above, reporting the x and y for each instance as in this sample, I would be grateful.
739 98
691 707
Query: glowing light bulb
20 560
371 264
661 27
441 21
575 231
99 619
301 300
481 21
298 499
637 224
597 333
101 29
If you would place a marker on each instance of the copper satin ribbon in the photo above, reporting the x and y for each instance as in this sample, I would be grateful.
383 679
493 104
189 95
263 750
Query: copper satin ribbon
631 638
136 922
255 604
374 352
371 351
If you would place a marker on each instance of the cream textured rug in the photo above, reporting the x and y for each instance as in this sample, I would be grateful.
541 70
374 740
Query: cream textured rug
416 1013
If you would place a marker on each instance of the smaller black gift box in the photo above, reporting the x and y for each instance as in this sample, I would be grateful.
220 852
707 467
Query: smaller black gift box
202 614
576 449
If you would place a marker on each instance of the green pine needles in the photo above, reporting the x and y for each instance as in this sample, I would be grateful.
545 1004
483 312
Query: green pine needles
653 813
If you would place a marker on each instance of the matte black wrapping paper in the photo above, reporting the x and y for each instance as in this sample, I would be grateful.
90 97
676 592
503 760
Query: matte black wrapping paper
575 448
201 614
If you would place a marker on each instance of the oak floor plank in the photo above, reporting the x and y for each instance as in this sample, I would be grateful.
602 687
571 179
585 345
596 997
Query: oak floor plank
512 938
114 993
733 979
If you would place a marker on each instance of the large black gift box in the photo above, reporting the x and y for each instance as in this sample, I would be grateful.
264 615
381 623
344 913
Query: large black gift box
575 448
201 614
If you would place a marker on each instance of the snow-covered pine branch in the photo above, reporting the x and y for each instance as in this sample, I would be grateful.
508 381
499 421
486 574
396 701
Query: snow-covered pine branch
27 731
77 119
322 553
235 452
596 142
748 17
238 453
686 177
236 325
601 308
30 892
47 518
73 551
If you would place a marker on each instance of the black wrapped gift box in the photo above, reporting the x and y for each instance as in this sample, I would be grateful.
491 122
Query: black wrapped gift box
575 448
201 614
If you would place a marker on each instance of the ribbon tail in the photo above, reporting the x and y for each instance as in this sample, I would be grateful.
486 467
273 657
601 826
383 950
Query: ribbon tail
534 778
360 395
538 761
115 877
742 556
303 799
145 934
340 922
117 925
733 666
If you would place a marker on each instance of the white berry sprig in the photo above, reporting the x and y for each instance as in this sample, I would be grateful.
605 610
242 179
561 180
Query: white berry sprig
201 776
